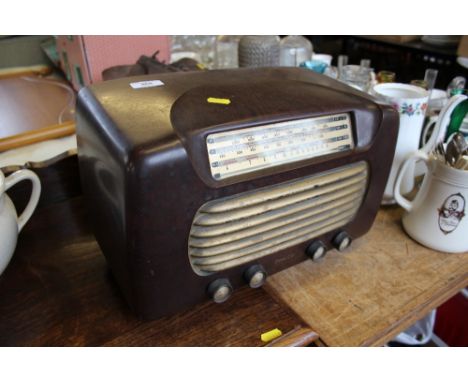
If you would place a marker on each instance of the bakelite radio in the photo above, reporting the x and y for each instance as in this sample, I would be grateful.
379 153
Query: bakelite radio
200 183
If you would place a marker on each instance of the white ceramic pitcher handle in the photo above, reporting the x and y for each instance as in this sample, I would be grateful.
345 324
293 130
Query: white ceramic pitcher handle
18 176
442 123
400 199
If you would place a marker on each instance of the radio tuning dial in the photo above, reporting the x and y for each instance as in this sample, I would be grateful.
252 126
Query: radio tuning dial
220 290
316 250
342 241
255 276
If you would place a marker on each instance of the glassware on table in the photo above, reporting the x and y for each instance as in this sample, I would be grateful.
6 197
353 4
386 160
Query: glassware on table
365 63
342 61
331 71
326 58
294 50
226 51
356 76
315 65
385 76
259 51
430 76
456 86
198 47
419 83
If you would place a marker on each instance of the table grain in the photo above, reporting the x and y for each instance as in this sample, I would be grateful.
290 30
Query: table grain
58 291
378 288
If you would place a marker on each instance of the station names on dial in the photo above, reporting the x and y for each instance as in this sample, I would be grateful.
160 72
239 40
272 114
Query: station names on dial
246 150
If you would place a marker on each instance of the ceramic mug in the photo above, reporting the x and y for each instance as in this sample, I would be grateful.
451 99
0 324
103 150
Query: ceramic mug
326 58
411 103
436 217
10 223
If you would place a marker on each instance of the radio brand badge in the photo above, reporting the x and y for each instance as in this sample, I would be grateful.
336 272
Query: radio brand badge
451 213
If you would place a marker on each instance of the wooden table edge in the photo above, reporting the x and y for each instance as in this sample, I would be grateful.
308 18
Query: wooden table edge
411 317
299 336
399 326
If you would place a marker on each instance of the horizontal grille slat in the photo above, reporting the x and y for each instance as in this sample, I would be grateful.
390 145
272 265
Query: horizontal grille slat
241 201
208 247
234 230
281 201
263 240
338 197
256 255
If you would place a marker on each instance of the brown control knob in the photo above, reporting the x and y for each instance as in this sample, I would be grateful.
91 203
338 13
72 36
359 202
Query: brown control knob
316 250
220 290
255 276
342 241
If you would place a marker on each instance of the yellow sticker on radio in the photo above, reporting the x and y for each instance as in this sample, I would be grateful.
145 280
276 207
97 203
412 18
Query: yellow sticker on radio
221 101
271 335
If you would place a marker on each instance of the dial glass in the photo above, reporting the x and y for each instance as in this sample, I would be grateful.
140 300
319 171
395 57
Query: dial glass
246 150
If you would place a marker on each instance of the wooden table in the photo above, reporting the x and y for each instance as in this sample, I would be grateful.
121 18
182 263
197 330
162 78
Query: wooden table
58 290
378 288
30 103
34 109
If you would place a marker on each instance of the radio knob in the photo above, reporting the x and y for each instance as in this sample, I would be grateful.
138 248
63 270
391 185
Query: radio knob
342 241
220 290
255 276
316 250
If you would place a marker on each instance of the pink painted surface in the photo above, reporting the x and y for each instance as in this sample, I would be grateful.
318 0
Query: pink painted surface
72 48
103 52
93 54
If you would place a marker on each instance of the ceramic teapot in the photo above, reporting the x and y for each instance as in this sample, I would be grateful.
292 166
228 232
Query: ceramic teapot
10 223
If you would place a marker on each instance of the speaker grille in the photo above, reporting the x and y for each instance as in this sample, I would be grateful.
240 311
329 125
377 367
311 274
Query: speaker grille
237 229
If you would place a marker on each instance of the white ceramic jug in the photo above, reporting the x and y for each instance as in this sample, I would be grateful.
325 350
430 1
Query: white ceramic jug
10 223
411 103
437 217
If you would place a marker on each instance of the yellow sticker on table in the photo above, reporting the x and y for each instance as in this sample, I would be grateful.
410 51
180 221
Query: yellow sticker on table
220 101
271 335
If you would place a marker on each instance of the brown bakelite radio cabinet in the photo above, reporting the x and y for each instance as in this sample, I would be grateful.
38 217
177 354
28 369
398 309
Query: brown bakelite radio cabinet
200 183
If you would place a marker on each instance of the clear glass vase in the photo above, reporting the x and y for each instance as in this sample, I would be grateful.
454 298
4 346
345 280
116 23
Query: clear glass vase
295 50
